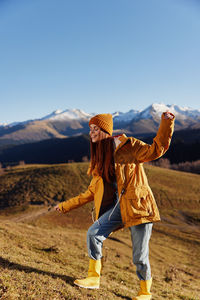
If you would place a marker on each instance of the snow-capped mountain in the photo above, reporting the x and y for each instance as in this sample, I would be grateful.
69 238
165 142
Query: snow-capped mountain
71 122
157 109
154 110
72 114
147 120
125 117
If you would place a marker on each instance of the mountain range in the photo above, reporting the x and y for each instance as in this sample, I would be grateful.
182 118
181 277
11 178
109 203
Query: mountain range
67 123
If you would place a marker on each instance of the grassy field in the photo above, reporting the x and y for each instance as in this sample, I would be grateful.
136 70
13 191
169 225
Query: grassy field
42 252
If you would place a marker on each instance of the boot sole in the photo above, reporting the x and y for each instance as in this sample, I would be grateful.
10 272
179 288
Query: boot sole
87 287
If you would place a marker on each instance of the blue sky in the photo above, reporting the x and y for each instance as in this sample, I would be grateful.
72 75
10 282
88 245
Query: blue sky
98 56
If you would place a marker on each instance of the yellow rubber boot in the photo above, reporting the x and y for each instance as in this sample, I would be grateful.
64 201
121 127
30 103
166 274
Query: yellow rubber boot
93 279
144 293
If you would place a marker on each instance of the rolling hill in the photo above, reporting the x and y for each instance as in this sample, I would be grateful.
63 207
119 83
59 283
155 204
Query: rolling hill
47 184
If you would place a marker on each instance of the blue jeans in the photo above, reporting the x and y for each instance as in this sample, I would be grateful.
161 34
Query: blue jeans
140 235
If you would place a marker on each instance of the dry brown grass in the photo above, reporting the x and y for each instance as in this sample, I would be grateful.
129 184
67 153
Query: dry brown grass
43 252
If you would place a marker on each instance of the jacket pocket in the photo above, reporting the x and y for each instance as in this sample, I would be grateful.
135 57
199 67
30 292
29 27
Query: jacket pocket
138 202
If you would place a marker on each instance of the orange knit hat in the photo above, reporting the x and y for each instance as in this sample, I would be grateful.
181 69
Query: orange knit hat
104 121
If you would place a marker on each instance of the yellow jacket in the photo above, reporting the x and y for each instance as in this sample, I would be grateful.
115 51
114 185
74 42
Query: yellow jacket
137 203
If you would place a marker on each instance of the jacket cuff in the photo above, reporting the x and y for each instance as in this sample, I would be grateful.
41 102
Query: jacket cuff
163 116
167 125
60 205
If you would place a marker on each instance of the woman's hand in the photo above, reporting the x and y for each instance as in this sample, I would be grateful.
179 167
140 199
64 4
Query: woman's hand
57 208
168 115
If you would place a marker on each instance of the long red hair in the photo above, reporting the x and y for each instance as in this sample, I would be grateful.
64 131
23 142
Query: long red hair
102 158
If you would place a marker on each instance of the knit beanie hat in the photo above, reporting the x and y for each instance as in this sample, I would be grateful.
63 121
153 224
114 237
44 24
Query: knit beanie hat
104 121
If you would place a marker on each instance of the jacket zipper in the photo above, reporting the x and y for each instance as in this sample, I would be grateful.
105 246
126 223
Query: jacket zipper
122 192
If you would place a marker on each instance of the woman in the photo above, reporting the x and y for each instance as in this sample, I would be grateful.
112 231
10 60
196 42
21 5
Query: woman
121 194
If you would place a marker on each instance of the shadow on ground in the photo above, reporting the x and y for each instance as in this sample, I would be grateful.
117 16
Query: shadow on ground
6 264
121 296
